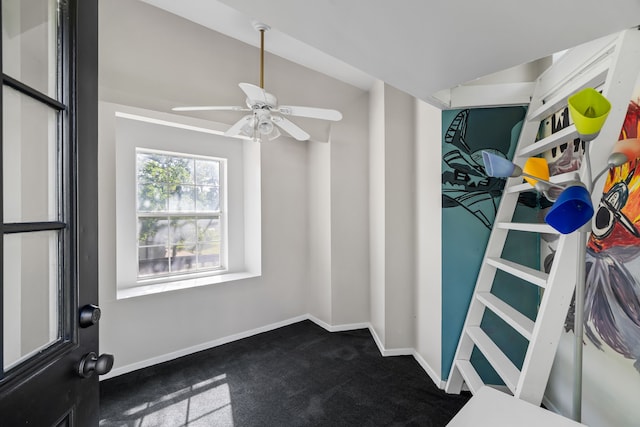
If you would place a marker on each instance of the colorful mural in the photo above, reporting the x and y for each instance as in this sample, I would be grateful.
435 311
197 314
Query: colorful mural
612 297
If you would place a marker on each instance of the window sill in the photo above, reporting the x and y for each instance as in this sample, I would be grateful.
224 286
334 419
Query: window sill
157 288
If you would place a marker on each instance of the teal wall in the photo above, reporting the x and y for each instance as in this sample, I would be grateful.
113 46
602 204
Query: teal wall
470 200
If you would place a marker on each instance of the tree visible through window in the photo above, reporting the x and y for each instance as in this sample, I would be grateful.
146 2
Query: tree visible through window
179 208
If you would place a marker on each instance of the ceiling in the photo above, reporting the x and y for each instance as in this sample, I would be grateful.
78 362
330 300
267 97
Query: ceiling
418 46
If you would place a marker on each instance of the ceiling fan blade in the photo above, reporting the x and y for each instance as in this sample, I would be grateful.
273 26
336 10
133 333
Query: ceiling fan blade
237 126
253 92
311 112
211 108
291 128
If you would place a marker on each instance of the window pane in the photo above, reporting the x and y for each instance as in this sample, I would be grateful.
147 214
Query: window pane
209 255
153 231
207 172
183 231
208 230
182 198
29 43
208 199
149 167
152 197
30 294
30 159
154 167
161 168
183 257
152 260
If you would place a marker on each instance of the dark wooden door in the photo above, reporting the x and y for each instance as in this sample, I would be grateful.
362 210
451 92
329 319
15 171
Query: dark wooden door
49 271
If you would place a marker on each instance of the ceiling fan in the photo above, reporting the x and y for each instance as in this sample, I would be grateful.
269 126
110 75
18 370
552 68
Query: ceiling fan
265 115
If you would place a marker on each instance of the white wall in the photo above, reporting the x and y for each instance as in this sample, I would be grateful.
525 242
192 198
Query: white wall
392 201
168 61
428 298
399 221
339 220
319 301
377 210
349 186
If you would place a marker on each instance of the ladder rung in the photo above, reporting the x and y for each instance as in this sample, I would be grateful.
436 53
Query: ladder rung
513 317
519 188
563 178
567 134
531 227
595 76
471 377
501 363
531 275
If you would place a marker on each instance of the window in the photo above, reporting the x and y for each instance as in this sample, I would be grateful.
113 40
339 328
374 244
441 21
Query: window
180 202
179 212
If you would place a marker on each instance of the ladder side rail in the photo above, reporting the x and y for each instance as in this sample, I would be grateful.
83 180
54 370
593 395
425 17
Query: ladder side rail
591 77
556 77
549 322
487 272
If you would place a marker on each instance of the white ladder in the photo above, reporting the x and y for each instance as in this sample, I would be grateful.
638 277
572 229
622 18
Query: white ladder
610 63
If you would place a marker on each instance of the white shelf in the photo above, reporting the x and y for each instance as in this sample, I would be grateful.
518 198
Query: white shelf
490 407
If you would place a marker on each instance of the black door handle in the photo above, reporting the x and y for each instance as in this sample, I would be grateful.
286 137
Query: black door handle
91 363
89 315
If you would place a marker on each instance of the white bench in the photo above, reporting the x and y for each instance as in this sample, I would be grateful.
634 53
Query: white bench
490 407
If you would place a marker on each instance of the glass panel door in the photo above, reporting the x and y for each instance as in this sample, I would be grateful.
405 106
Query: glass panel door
35 291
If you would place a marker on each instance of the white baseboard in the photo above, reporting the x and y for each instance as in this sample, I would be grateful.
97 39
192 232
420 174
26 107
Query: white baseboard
225 340
204 346
429 370
389 352
337 328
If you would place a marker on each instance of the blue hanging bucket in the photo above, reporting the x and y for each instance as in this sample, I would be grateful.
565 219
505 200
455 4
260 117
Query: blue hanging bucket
572 210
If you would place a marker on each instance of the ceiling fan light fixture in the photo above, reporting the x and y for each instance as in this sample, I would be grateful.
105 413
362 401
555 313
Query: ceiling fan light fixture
265 126
248 129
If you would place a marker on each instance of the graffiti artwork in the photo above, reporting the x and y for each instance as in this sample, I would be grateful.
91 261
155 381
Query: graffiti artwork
612 298
465 184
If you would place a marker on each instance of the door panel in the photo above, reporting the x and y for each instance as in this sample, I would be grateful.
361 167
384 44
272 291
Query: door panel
30 49
31 298
49 211
30 167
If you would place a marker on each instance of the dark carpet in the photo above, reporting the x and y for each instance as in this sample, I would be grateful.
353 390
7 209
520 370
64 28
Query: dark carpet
298 375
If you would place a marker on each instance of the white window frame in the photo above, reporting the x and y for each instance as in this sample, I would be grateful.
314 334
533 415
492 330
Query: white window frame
220 214
173 133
